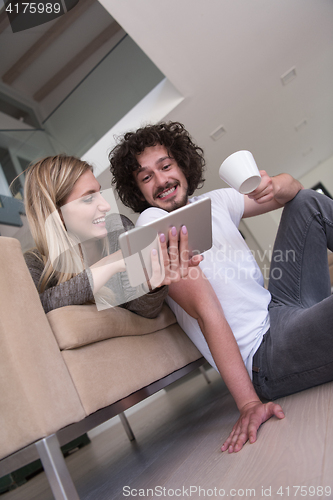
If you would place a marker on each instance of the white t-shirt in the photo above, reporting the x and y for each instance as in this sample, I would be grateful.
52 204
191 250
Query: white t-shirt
233 273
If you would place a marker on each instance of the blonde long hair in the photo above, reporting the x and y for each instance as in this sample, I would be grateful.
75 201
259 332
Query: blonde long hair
48 183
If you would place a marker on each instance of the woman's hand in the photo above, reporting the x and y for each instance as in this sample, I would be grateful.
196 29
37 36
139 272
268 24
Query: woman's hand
175 257
252 415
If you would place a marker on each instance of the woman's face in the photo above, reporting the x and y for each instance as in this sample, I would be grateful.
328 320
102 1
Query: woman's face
85 209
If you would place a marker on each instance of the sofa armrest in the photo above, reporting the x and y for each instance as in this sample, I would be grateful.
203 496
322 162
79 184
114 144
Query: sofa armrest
38 396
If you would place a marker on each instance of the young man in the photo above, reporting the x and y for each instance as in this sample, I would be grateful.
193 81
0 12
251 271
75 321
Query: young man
282 336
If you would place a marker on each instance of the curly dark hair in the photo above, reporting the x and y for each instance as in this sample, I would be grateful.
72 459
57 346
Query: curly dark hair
179 146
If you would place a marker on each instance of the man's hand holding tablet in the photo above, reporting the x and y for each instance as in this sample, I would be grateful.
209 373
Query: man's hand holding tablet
173 237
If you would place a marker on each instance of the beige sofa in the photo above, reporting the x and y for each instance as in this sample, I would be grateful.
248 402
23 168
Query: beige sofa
63 373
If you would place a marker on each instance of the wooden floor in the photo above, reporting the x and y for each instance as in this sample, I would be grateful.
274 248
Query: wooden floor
178 439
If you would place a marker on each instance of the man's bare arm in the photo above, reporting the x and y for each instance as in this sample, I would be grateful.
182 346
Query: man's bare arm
272 193
198 299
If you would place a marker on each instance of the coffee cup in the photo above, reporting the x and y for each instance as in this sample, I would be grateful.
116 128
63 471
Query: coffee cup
240 171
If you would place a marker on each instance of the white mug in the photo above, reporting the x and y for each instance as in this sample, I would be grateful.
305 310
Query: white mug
240 171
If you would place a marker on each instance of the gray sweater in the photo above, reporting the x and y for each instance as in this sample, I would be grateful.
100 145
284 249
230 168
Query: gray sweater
78 290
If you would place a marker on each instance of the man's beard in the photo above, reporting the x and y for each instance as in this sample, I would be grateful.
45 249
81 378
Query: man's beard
178 204
174 204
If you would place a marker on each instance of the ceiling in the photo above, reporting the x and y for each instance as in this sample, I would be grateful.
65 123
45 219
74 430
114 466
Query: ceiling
40 66
227 58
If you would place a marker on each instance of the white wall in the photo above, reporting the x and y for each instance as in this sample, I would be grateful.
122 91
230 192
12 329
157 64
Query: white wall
263 229
323 173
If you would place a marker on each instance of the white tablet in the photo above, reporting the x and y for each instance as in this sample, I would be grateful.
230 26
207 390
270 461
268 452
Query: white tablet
137 244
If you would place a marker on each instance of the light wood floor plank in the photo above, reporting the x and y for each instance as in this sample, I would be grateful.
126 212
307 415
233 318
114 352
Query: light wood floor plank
288 452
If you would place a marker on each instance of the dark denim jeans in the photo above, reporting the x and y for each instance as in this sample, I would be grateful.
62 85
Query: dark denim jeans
297 351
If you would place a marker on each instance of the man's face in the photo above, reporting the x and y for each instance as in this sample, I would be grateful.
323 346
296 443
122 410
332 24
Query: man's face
160 179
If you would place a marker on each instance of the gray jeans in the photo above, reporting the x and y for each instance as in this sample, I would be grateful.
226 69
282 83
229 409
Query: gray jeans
297 352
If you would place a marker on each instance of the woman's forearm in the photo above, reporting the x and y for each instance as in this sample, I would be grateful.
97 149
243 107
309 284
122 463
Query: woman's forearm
105 268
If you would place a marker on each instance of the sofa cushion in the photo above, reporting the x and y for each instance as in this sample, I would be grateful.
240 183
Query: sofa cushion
107 371
76 326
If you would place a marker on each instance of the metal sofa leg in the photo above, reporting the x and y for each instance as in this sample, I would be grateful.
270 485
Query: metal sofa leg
126 426
56 469
203 371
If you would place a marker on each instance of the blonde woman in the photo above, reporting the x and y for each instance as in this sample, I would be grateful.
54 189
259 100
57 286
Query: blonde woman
77 259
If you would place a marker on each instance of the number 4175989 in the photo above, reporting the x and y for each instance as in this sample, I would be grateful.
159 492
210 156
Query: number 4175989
33 8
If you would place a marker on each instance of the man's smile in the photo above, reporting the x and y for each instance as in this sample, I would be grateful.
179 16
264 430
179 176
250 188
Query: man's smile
170 191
